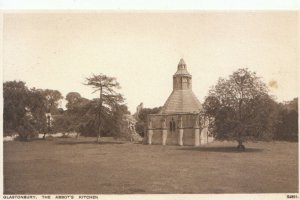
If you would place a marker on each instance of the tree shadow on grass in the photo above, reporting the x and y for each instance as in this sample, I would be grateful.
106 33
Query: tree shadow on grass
87 142
228 149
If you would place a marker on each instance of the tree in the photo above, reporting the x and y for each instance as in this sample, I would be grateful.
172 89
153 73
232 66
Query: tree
108 97
287 126
63 124
37 107
117 119
24 109
77 115
241 107
75 100
14 95
53 98
142 119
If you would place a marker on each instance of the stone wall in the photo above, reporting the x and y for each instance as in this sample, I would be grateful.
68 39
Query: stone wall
176 129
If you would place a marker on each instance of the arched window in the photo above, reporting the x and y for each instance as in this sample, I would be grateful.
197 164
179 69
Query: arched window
184 83
172 125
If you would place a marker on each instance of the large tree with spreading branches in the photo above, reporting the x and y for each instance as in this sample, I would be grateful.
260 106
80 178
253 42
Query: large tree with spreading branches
108 97
241 108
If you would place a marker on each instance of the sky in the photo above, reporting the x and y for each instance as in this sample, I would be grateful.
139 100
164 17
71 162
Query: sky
58 50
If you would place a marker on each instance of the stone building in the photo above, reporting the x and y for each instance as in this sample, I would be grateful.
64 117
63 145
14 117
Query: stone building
180 120
127 128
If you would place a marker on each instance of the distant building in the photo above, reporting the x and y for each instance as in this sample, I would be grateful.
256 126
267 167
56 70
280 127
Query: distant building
127 128
179 121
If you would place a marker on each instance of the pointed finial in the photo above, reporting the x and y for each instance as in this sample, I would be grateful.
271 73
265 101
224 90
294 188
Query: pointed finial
181 64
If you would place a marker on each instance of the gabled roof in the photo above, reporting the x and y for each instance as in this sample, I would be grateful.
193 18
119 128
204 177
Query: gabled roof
181 101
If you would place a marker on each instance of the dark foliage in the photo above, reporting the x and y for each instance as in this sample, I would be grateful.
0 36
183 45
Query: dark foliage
141 124
92 117
287 126
241 108
107 102
24 108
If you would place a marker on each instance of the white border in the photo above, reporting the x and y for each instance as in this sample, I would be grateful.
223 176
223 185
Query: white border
152 4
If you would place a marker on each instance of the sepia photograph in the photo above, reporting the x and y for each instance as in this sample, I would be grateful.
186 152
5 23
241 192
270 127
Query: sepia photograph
150 102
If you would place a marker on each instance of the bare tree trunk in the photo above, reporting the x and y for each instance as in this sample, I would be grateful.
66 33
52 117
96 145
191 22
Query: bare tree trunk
100 112
240 146
99 135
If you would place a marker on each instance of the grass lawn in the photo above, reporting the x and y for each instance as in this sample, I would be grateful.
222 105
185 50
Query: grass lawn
70 166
